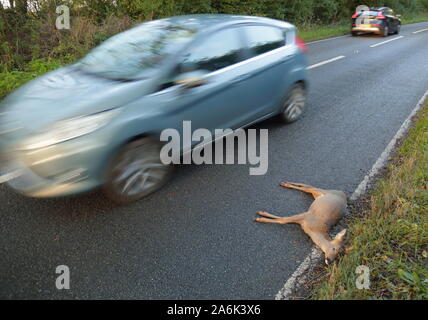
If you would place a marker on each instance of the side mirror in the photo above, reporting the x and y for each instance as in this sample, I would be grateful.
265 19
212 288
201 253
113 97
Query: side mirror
192 79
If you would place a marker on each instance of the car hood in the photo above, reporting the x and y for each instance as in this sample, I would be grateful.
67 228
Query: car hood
66 93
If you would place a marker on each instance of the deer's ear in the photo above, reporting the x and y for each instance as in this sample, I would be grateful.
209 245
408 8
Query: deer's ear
341 235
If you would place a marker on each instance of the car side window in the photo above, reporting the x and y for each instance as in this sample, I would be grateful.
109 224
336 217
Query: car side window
218 51
262 39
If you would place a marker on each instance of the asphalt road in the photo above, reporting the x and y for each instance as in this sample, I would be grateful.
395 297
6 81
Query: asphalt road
196 238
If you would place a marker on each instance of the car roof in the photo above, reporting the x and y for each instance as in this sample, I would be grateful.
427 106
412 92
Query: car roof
378 8
208 21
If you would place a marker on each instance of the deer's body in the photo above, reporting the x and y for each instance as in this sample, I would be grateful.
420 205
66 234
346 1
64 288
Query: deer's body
326 211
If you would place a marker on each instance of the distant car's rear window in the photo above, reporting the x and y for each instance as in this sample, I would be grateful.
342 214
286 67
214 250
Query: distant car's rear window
369 13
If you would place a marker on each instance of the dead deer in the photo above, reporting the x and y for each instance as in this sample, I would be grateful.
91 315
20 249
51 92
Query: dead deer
327 209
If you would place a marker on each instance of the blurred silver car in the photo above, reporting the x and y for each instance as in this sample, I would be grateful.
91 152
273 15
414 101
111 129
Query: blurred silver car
97 123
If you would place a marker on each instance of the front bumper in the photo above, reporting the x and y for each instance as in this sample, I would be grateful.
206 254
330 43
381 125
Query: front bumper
29 184
60 170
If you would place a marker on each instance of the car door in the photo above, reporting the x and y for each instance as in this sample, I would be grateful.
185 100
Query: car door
394 19
222 101
271 63
389 13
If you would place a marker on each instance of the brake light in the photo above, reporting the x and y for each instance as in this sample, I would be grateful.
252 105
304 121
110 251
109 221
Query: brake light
301 44
380 15
356 15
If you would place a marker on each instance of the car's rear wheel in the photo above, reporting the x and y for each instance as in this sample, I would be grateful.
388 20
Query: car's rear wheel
354 33
294 104
385 31
136 172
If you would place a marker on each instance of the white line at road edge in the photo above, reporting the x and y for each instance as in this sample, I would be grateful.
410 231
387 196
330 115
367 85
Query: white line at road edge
420 31
387 41
300 276
324 62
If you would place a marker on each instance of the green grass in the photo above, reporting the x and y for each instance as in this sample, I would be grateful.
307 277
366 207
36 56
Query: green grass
319 32
421 17
391 235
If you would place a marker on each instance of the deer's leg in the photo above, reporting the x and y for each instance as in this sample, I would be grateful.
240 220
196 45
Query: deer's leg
267 215
300 185
315 192
281 220
266 220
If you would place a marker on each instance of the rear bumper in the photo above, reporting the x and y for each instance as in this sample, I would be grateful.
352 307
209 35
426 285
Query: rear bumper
367 29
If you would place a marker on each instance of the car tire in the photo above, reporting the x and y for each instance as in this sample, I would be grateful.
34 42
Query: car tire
354 34
294 105
398 29
136 172
385 31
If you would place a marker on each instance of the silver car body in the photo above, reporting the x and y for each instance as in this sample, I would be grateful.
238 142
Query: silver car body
233 97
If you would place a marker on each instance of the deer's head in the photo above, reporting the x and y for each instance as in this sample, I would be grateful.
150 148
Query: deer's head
336 246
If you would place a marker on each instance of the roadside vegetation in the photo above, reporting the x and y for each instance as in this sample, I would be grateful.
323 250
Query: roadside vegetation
30 44
390 235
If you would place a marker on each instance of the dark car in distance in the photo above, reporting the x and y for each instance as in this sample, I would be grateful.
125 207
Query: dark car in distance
382 21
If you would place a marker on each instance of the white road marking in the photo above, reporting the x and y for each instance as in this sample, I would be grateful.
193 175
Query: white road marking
387 41
315 256
324 62
323 40
419 31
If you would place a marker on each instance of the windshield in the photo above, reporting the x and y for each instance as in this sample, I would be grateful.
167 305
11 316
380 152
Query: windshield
370 13
134 53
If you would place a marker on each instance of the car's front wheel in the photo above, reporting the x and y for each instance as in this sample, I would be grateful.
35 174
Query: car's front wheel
136 172
398 29
294 104
385 31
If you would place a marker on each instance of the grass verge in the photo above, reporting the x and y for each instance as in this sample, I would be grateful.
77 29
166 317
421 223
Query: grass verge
391 235
319 32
